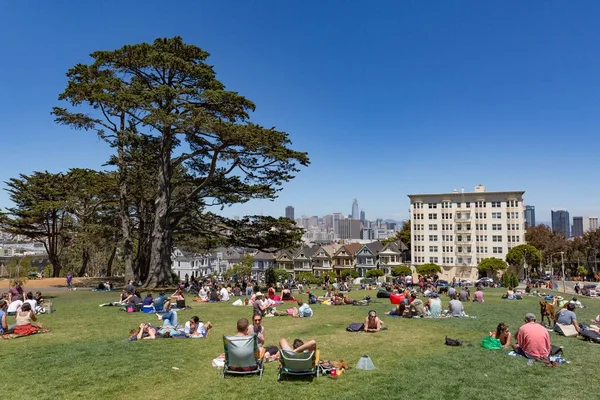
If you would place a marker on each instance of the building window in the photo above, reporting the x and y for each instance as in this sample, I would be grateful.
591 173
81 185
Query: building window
433 227
496 204
497 238
433 260
468 204
432 216
433 249
496 215
496 227
432 205
497 250
433 238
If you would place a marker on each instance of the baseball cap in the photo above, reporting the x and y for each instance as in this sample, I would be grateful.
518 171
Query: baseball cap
530 317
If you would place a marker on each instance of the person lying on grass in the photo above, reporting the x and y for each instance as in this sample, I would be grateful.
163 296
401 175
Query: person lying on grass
170 317
502 333
302 311
372 322
144 331
24 318
194 328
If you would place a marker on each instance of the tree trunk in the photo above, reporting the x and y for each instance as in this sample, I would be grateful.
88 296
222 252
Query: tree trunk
124 204
111 259
160 257
85 259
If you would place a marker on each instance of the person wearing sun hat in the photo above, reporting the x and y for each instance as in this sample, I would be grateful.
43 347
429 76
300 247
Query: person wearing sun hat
533 340
260 305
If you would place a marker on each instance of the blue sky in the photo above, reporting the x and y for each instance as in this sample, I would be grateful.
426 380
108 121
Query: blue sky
388 98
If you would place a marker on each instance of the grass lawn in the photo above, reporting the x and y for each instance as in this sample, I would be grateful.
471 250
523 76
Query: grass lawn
86 356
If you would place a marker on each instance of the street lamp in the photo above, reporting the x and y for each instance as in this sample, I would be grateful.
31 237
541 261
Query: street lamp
562 256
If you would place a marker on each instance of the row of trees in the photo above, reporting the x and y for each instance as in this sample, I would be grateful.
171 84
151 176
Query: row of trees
183 147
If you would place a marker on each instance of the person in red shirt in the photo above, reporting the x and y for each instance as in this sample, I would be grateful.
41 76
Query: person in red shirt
533 340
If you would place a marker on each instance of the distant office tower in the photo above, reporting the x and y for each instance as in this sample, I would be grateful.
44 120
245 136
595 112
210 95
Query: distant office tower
529 216
289 212
355 214
582 225
593 223
362 217
328 221
577 227
337 217
561 222
313 221
349 229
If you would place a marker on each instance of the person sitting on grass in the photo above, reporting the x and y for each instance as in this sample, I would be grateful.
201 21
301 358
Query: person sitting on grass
24 318
533 340
455 308
271 352
243 327
195 328
148 300
417 307
434 305
372 322
38 298
169 318
566 316
31 301
135 300
178 295
15 305
286 293
397 311
298 346
502 333
159 302
4 327
478 295
303 310
509 295
261 305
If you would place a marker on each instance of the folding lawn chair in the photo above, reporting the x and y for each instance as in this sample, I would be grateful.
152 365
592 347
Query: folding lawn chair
242 356
298 364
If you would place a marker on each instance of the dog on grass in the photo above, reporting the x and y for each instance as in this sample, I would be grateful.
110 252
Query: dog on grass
547 311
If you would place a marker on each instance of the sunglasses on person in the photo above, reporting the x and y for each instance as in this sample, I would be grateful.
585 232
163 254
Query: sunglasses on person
257 319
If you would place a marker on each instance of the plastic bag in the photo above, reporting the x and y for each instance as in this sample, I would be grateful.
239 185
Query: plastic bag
491 343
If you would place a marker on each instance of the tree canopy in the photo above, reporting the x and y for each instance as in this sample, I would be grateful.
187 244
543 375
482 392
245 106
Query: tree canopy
401 270
428 269
492 265
518 255
167 94
375 273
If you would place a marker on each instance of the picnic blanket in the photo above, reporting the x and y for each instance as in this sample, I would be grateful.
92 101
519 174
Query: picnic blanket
14 336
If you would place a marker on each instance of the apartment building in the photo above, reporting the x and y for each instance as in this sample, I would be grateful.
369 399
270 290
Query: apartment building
459 229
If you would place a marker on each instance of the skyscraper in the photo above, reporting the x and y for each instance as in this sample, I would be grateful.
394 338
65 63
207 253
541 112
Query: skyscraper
561 222
577 227
289 212
355 214
529 216
362 217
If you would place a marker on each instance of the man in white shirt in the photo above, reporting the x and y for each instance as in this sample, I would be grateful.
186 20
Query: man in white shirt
15 306
32 302
223 294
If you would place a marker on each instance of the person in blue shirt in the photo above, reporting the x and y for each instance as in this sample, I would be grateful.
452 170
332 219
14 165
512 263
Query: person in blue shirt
159 302
303 310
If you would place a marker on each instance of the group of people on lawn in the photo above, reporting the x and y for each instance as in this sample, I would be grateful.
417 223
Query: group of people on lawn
411 306
23 307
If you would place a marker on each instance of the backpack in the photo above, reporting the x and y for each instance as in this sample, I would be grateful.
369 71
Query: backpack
591 336
355 327
453 342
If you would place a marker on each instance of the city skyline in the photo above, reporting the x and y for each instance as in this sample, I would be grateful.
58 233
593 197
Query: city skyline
432 83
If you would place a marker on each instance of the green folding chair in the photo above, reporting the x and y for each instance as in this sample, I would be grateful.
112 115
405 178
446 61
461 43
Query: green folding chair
242 356
298 364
